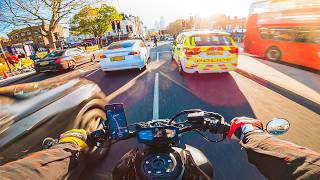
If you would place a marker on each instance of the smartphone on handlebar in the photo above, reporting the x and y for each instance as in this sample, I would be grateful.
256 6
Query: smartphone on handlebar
117 121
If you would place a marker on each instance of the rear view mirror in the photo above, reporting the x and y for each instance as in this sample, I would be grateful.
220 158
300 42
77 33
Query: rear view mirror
278 126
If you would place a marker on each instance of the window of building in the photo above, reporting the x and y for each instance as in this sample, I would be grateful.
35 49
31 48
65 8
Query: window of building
28 33
22 34
17 36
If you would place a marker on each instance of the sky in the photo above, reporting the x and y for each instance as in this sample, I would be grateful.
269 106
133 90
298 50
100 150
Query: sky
151 10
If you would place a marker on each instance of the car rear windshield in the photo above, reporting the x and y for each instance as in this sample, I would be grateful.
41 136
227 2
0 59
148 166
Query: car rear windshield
54 54
119 45
211 40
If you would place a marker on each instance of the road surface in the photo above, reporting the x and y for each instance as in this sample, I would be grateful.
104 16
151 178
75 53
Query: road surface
160 92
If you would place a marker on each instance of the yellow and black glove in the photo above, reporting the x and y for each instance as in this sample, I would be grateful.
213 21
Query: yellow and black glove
75 136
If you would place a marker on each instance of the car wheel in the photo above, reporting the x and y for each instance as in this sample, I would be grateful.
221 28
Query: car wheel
273 54
72 65
180 70
93 58
91 121
144 68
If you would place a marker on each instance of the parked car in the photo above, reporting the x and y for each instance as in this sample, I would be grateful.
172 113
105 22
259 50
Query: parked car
205 52
128 54
31 112
63 59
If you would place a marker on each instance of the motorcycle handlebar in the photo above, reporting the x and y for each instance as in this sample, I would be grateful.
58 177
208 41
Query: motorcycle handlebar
214 123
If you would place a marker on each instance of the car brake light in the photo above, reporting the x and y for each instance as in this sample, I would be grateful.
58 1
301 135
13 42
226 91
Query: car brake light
190 52
103 56
135 53
58 60
234 50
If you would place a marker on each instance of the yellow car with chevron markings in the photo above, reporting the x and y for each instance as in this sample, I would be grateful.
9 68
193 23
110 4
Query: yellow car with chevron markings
205 52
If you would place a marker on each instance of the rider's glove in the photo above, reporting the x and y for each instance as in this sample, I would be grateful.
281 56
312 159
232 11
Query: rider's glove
242 125
75 136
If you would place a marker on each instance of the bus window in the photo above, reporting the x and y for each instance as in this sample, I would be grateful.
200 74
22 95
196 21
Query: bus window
301 36
264 33
282 34
314 37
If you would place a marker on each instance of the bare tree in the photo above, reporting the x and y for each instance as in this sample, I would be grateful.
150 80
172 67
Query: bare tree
44 13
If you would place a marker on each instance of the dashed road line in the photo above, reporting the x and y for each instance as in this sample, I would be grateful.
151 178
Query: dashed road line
92 72
157 56
156 97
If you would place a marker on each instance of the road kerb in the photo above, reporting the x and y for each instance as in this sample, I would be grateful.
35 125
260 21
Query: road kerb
12 79
311 105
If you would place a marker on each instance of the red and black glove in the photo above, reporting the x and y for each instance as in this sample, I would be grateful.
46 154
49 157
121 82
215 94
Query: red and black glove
242 125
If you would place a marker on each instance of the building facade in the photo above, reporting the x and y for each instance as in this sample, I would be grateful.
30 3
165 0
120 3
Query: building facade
33 36
131 26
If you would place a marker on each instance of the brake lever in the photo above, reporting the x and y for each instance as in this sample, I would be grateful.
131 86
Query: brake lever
184 112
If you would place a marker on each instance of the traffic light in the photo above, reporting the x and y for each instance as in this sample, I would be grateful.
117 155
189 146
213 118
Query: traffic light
113 26
118 25
127 27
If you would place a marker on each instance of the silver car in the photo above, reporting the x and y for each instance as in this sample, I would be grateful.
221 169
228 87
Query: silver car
121 55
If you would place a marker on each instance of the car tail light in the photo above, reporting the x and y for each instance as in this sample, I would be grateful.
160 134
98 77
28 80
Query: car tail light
103 56
234 50
190 52
58 60
135 53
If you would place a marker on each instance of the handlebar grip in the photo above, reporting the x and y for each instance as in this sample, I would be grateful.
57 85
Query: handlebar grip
98 136
220 128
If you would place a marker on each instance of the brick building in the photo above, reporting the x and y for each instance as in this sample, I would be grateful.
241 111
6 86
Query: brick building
32 36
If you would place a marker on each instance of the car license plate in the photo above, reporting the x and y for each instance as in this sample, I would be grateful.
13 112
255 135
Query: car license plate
215 60
215 53
44 63
118 58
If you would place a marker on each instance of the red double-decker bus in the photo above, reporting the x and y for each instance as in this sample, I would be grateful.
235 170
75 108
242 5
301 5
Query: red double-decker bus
285 30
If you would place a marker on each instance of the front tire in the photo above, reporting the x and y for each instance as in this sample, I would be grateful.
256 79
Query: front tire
273 54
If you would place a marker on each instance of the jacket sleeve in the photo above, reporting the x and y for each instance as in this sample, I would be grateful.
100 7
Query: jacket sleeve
278 159
53 163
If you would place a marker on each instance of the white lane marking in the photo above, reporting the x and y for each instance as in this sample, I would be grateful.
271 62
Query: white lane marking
92 72
157 56
156 97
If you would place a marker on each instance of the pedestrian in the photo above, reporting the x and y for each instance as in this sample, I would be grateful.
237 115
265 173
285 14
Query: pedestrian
13 59
155 40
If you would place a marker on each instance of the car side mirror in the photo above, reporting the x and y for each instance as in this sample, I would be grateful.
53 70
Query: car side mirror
277 126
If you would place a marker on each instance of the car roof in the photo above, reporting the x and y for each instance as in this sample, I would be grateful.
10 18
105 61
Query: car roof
130 40
199 32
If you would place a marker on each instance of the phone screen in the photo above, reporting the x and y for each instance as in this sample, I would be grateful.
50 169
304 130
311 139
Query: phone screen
117 121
